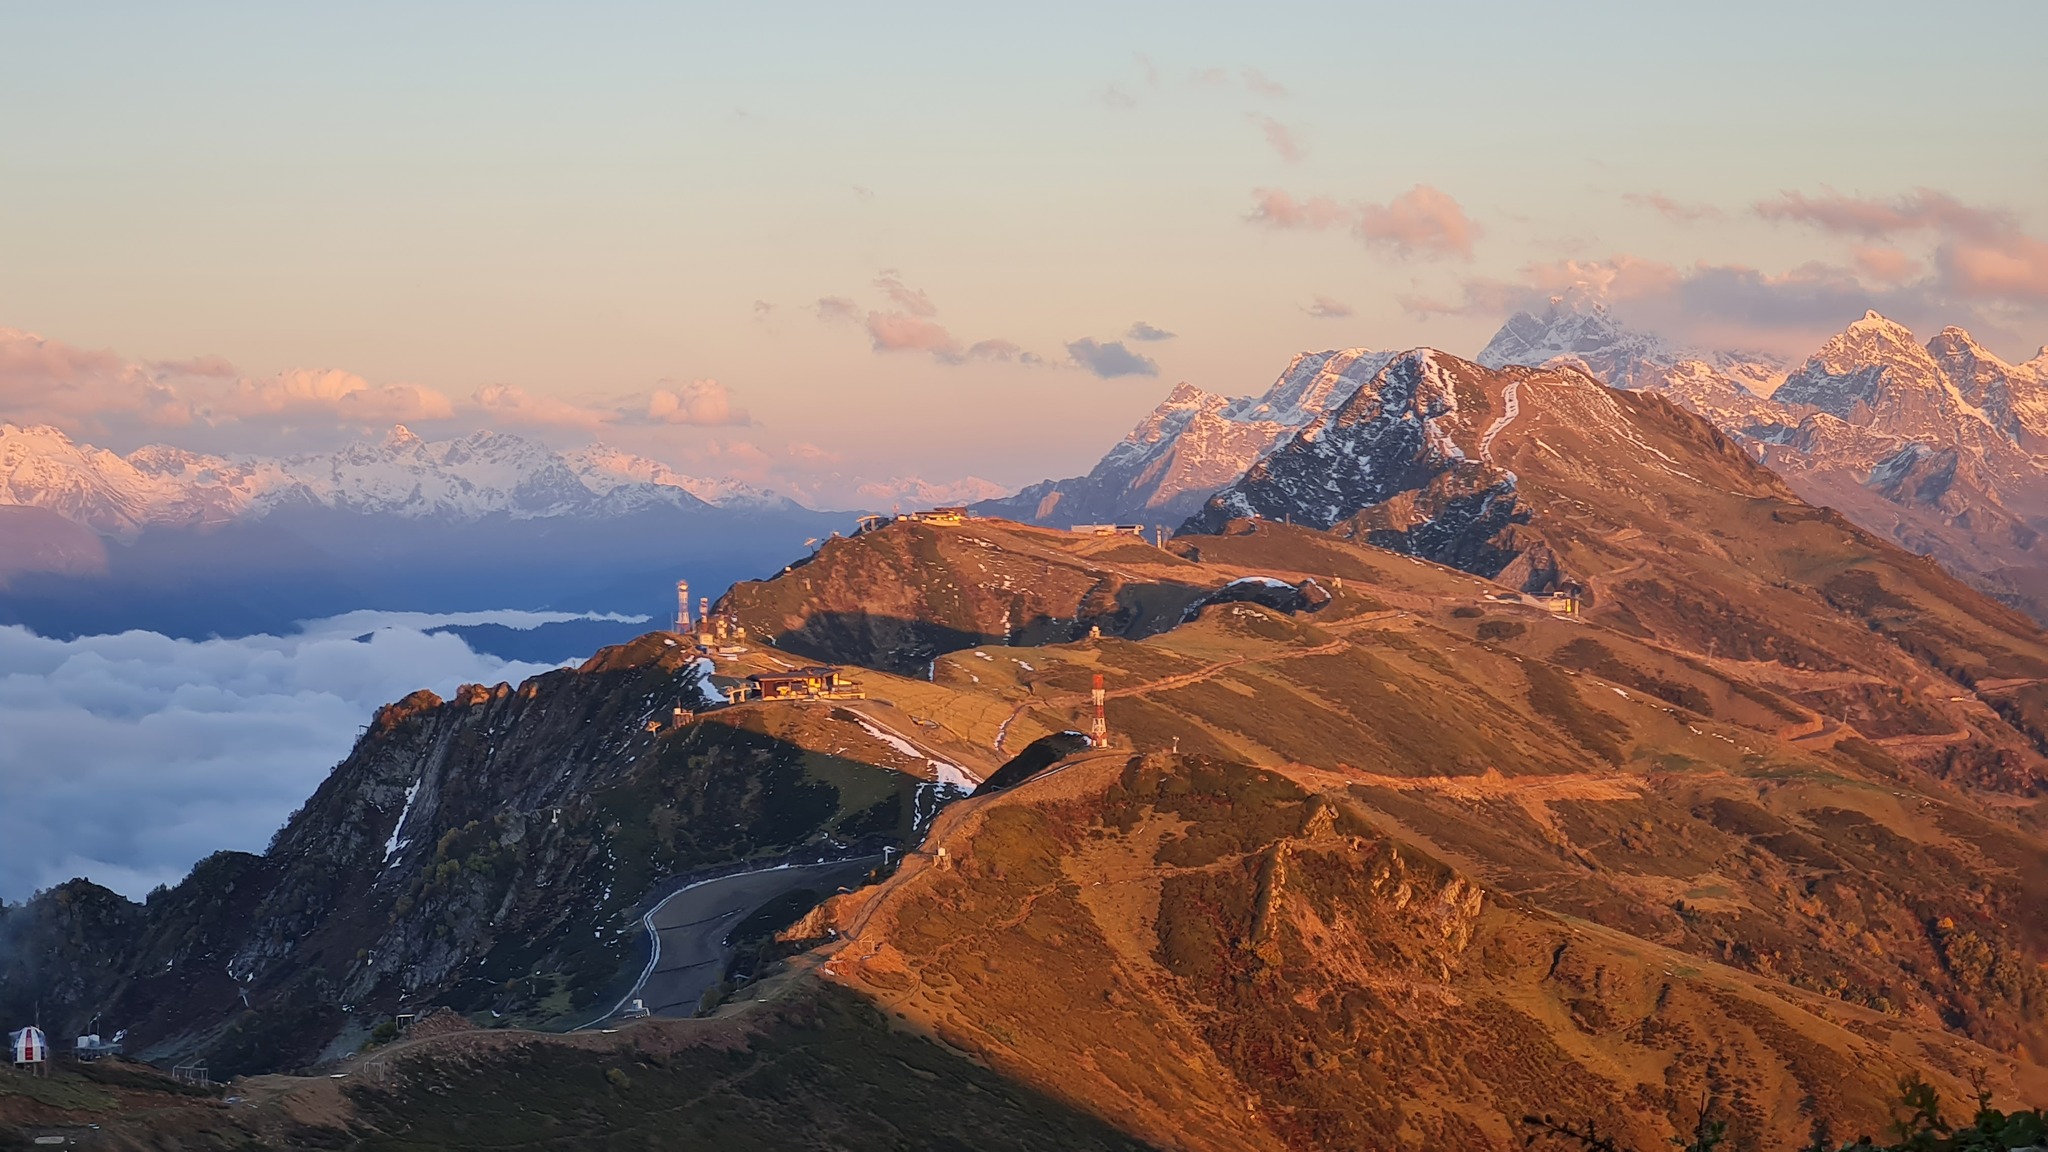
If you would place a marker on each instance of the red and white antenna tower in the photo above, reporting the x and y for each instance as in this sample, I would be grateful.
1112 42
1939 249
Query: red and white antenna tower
1100 735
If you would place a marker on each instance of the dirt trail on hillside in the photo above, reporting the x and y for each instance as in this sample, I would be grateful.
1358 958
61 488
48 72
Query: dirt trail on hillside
1184 679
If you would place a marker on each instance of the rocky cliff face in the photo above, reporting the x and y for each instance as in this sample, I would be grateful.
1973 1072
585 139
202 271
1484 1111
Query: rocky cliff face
1399 434
483 852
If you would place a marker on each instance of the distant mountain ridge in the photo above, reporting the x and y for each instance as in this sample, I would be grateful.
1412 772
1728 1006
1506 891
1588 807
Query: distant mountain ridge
1941 447
191 544
482 474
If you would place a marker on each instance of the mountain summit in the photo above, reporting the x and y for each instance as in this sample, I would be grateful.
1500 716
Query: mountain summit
1192 444
1577 328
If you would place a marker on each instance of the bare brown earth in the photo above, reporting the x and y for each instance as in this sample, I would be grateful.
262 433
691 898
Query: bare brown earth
1227 957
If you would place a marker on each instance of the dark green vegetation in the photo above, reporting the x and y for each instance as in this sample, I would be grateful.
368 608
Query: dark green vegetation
823 1071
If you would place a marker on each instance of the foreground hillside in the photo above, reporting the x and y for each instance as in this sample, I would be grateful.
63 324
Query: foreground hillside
1224 956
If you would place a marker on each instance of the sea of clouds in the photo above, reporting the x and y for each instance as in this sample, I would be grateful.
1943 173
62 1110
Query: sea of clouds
128 758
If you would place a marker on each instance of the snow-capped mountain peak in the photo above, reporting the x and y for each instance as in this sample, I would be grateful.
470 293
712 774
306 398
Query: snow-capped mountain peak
1579 326
1576 328
1193 443
1313 383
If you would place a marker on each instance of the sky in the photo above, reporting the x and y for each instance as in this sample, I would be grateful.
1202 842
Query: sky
816 244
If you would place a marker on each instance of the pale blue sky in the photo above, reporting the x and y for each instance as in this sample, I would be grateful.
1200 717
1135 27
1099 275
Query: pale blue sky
584 200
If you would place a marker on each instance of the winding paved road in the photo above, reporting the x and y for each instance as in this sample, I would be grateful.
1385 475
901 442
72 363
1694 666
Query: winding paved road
688 929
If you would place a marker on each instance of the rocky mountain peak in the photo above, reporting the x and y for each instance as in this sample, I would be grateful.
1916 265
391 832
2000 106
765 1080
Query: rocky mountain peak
1193 443
1313 383
1874 332
1577 324
1872 366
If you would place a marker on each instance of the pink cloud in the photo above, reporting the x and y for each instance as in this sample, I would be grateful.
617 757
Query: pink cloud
837 308
50 382
1258 84
810 454
1981 254
909 323
1881 263
1277 209
740 458
1324 308
903 332
911 300
331 394
1422 221
997 350
2014 270
1280 138
1919 210
1672 209
703 402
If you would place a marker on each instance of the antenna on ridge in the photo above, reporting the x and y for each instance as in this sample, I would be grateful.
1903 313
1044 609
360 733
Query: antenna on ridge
1100 735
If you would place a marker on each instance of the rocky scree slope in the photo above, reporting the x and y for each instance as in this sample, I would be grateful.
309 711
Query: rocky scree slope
484 852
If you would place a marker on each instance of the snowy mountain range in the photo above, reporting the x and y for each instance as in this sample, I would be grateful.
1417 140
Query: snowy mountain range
480 475
191 544
1941 447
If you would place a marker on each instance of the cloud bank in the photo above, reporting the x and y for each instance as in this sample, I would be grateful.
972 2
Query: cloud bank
128 758
98 395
